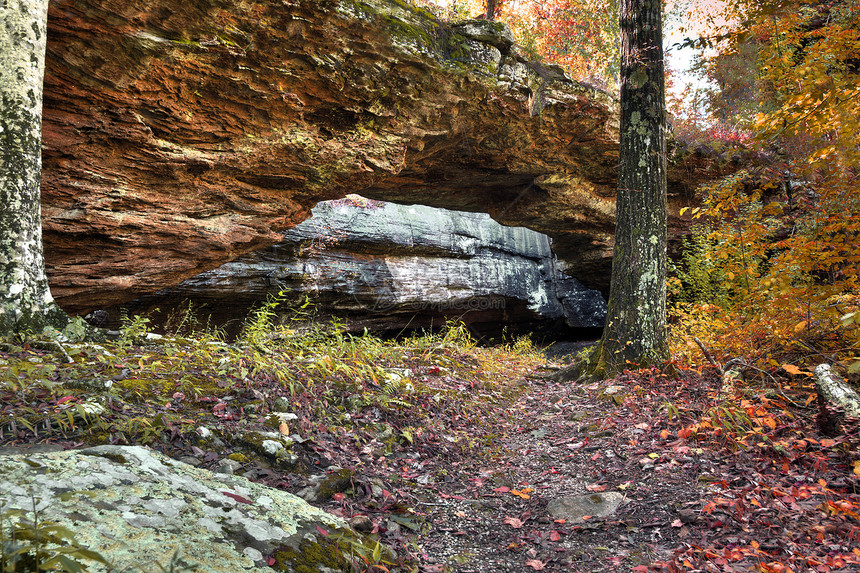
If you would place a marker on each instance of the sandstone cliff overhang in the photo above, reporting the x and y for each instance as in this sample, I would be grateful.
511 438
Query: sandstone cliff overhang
179 135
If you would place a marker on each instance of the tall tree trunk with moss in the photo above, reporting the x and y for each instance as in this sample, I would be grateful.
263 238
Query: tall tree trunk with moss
492 9
26 305
635 331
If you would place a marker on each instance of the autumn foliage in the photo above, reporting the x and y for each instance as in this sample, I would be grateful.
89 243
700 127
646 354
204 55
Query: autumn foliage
772 269
581 35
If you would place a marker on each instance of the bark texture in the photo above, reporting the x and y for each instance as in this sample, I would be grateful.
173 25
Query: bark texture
635 331
838 402
25 299
636 323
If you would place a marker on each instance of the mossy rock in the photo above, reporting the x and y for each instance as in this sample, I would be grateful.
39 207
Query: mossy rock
137 508
336 482
269 446
340 550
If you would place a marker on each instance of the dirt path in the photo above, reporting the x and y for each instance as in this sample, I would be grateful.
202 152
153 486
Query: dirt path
762 493
490 514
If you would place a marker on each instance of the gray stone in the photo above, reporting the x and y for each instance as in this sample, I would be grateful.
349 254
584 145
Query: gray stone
613 389
137 507
574 508
487 32
385 266
227 467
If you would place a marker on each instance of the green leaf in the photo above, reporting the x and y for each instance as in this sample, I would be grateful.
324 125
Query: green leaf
69 565
405 522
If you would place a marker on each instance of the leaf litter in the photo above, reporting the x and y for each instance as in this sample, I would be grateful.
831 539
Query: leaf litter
455 468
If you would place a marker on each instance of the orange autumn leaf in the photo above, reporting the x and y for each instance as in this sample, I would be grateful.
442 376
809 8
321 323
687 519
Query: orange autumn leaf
792 369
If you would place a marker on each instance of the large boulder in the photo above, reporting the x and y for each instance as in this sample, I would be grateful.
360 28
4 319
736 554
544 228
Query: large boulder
138 508
387 267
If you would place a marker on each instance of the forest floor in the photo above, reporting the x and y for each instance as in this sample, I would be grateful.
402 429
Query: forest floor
455 455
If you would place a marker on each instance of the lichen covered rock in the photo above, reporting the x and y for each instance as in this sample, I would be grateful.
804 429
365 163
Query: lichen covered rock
137 508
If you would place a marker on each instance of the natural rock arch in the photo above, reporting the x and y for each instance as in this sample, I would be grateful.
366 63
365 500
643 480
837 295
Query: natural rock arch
180 135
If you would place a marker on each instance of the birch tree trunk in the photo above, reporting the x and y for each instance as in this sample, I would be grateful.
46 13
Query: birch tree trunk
635 331
838 403
26 305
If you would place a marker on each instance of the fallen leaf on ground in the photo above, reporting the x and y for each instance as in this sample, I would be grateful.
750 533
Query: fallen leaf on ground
238 497
535 564
514 522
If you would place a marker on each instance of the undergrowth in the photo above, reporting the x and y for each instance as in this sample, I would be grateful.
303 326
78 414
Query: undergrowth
29 544
321 368
169 392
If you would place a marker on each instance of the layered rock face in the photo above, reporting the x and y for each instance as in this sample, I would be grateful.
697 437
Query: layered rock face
182 134
390 267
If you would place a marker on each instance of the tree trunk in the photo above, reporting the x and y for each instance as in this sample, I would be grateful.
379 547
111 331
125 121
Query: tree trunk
492 7
26 305
838 403
635 331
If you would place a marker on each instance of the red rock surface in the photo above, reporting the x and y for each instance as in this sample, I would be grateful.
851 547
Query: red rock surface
179 134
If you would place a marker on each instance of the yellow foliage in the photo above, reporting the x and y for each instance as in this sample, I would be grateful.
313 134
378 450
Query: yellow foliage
786 240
